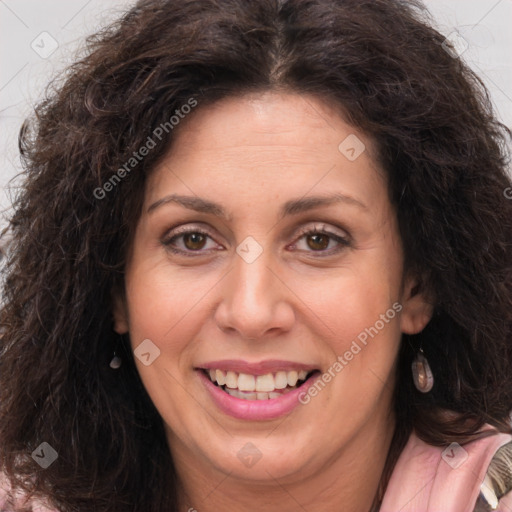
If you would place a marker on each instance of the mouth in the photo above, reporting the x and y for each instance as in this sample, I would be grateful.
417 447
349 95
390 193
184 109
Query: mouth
269 386
256 391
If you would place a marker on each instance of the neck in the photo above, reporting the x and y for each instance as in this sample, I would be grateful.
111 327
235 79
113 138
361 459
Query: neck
348 481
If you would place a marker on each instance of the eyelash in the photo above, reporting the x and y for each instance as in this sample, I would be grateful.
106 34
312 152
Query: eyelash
168 241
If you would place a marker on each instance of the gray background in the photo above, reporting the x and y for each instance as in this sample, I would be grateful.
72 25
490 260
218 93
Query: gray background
25 67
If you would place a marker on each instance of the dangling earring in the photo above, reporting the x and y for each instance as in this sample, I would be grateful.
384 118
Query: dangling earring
116 362
421 373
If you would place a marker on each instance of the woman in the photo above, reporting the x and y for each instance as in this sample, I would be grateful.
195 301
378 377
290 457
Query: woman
262 260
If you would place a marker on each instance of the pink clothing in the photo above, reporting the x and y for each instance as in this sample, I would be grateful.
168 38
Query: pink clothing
426 478
425 481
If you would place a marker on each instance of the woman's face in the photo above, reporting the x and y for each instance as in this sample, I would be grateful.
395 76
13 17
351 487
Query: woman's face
226 275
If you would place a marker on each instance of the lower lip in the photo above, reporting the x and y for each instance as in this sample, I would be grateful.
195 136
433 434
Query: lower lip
255 409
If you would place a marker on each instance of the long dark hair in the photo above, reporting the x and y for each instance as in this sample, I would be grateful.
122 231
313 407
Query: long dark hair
388 70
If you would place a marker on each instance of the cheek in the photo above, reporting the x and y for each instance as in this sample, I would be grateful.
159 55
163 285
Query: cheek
350 303
164 303
360 322
166 307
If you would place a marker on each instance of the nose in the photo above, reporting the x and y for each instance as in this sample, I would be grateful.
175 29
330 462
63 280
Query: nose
255 302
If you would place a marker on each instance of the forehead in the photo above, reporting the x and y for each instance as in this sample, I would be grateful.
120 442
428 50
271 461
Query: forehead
271 118
263 145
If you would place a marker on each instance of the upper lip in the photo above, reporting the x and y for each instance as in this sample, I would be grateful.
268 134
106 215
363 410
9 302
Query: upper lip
256 368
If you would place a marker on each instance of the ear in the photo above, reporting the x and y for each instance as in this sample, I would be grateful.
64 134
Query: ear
119 312
417 306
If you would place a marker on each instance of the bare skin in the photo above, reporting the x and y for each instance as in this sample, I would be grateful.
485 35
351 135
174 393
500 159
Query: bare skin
303 299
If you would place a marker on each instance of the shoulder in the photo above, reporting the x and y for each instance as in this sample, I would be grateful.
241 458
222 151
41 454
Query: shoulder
432 479
496 489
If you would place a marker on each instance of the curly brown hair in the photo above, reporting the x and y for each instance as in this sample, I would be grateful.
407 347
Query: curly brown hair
438 139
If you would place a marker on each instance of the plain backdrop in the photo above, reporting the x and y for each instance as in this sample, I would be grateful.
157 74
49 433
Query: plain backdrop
39 38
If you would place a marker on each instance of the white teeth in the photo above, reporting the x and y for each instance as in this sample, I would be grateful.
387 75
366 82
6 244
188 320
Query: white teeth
232 380
250 396
292 378
257 387
265 383
247 382
220 376
281 380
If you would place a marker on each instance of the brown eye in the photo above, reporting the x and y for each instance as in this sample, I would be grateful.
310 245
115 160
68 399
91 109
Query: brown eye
318 241
194 241
189 242
321 241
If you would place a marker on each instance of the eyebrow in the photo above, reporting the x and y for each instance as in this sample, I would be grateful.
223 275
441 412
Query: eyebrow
292 207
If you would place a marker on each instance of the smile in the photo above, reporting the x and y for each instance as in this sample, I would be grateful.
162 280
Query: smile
257 387
256 391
